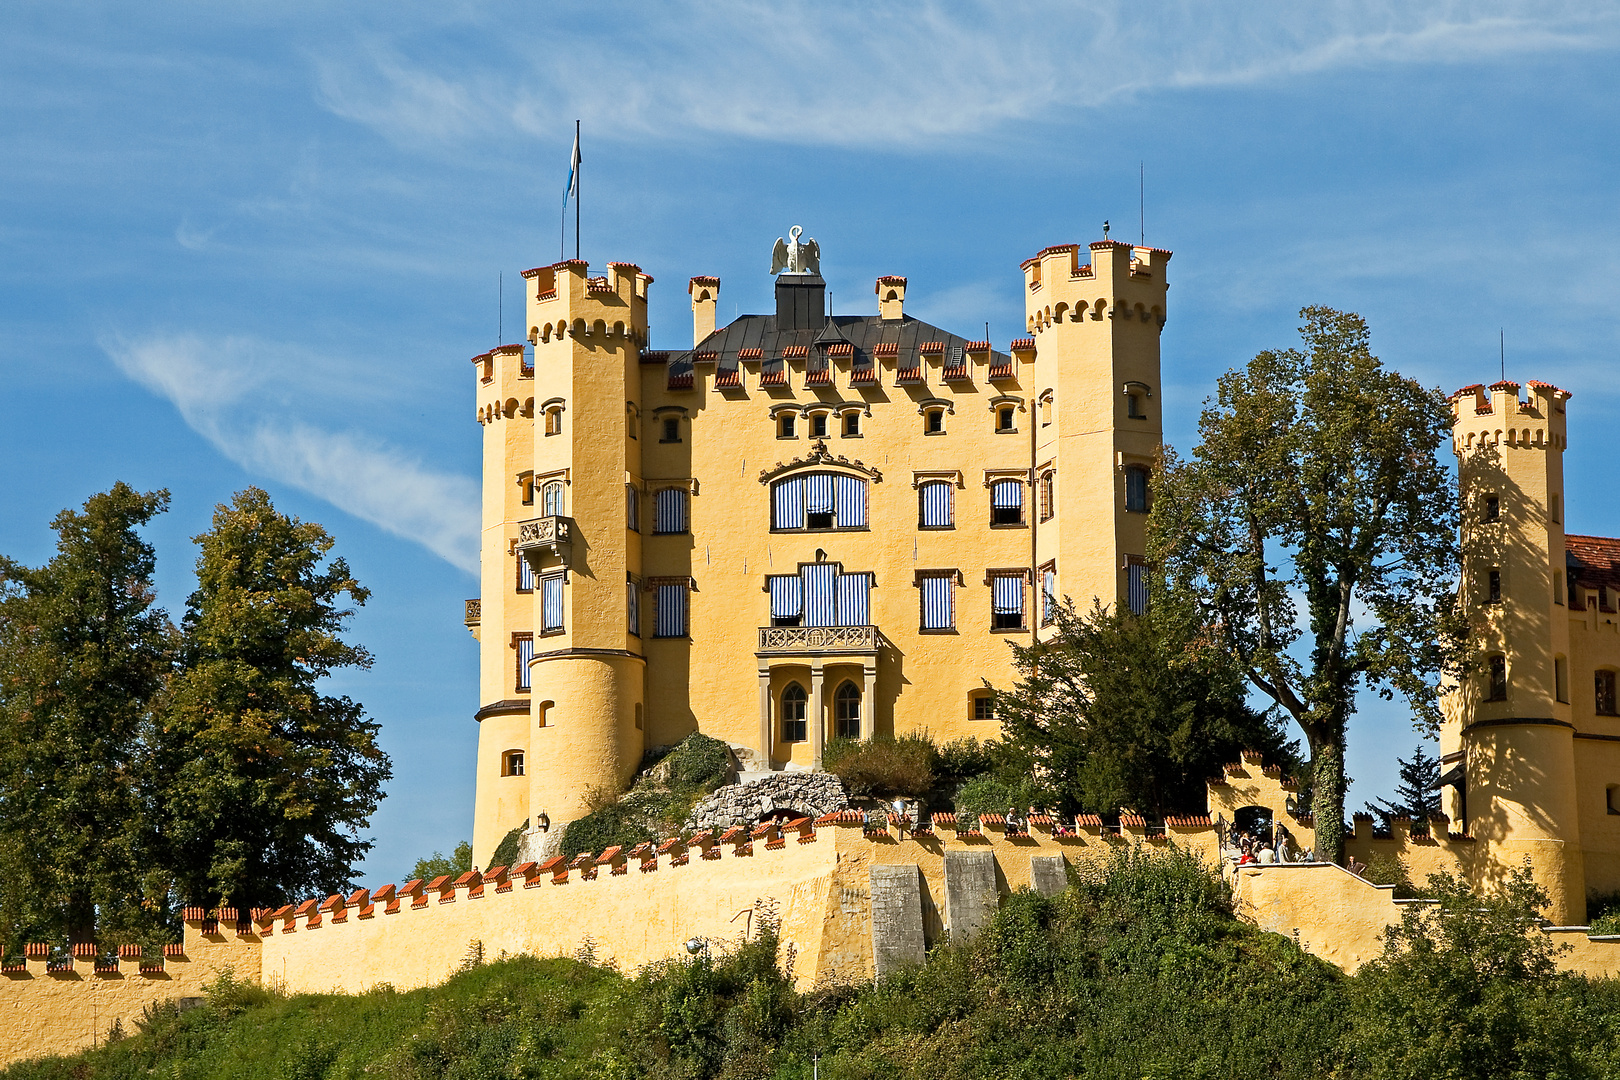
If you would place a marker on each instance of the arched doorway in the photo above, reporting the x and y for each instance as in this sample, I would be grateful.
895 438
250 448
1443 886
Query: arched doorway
847 711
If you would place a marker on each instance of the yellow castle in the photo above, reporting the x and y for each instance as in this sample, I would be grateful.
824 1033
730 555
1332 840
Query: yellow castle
804 526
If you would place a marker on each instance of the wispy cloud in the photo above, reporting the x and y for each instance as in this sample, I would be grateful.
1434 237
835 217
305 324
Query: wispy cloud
244 397
909 76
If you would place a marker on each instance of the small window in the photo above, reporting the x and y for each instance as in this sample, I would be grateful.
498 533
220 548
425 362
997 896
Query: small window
672 429
1046 409
1136 489
1133 406
938 612
671 619
551 604
794 704
818 426
1048 495
936 507
523 645
632 420
1007 602
554 420
1497 686
1557 509
934 422
632 606
551 498
1603 685
525 575
984 707
542 713
526 488
1049 599
847 711
1493 586
1007 502
1492 510
1005 419
1558 587
671 512
1561 680
512 763
1612 798
787 426
632 508
852 424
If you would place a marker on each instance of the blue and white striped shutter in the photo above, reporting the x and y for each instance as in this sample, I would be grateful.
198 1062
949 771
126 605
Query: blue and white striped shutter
853 595
525 575
1007 494
938 510
936 603
551 603
672 510
1048 594
851 495
672 611
525 651
787 596
632 508
818 493
632 607
1136 592
787 507
1007 594
820 600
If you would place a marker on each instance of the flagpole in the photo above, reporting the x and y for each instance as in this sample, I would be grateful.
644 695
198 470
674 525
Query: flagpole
576 195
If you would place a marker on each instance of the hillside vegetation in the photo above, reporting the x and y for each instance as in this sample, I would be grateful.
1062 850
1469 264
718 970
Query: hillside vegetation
1139 970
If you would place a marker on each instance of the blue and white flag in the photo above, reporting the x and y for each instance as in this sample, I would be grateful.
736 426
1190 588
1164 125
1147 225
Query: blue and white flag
573 172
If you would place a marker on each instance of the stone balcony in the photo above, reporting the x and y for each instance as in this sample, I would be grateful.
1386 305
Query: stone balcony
542 536
475 612
819 640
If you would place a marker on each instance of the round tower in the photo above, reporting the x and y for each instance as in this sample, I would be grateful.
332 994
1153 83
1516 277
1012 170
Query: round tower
1507 743
561 655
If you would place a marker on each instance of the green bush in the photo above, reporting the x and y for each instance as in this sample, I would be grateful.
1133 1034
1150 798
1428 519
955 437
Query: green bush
1603 913
1385 869
436 865
883 765
604 828
699 761
993 795
506 851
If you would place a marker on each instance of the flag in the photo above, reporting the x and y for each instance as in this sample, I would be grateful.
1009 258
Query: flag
573 172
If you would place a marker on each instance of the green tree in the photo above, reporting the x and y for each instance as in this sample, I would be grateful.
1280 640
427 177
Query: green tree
1316 499
1124 710
271 780
437 865
1416 796
84 651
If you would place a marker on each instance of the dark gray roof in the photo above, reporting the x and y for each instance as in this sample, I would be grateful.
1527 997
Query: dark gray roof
864 332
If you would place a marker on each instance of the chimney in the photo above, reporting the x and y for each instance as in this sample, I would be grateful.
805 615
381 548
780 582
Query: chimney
705 293
801 301
891 294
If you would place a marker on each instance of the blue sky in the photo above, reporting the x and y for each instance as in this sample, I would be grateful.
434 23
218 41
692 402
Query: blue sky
256 244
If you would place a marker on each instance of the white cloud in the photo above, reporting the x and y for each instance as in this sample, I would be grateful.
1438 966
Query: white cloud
246 398
914 75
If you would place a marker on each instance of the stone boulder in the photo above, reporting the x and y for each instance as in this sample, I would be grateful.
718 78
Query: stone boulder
802 794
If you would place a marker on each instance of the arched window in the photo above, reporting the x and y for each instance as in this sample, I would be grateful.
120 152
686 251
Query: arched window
1497 686
794 701
512 763
554 420
1048 494
551 498
934 422
847 711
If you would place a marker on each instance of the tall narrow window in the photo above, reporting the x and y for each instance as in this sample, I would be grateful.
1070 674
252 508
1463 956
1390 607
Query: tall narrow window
820 594
854 594
1046 409
523 644
1603 684
632 604
1007 502
818 425
632 508
787 426
1492 509
938 612
820 501
1048 594
551 498
672 429
1136 489
1497 686
1004 420
526 489
1493 586
551 604
934 422
847 711
554 421
1007 602
671 612
1560 679
525 575
852 424
1557 509
1136 588
935 506
1048 494
671 511
787 599
794 705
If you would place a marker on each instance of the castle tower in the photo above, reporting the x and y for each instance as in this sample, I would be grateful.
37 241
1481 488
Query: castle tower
560 674
1507 742
1098 420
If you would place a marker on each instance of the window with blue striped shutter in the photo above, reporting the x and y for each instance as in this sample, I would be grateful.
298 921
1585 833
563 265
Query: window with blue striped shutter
936 503
1136 590
1007 601
787 504
525 654
671 511
1007 502
787 599
850 508
551 604
818 494
937 612
820 598
854 591
525 575
671 611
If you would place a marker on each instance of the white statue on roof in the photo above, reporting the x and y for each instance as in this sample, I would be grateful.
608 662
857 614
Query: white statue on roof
794 257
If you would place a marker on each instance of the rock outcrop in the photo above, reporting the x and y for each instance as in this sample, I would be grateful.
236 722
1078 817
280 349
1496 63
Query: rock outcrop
802 794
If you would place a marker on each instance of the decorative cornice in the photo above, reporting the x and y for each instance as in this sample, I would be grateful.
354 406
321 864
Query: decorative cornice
819 455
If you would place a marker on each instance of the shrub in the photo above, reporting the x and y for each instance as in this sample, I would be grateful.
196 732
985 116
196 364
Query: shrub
1385 869
883 765
993 795
436 865
614 824
506 851
700 762
1603 913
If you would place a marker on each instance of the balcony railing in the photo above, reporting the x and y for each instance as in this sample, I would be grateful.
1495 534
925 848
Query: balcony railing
475 611
836 639
553 535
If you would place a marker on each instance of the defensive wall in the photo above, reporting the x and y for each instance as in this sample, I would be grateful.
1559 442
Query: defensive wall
856 896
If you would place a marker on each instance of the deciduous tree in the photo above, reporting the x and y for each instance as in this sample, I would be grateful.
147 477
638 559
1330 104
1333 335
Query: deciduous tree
1315 528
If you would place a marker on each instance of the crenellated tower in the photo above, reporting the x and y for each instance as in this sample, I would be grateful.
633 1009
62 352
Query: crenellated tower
561 676
1098 420
1507 744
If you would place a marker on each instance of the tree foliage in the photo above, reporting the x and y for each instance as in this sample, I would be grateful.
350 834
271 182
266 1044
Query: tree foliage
1316 528
1415 795
271 780
438 864
1119 710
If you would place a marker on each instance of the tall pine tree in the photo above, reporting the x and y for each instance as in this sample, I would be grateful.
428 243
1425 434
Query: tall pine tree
1416 796
271 781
